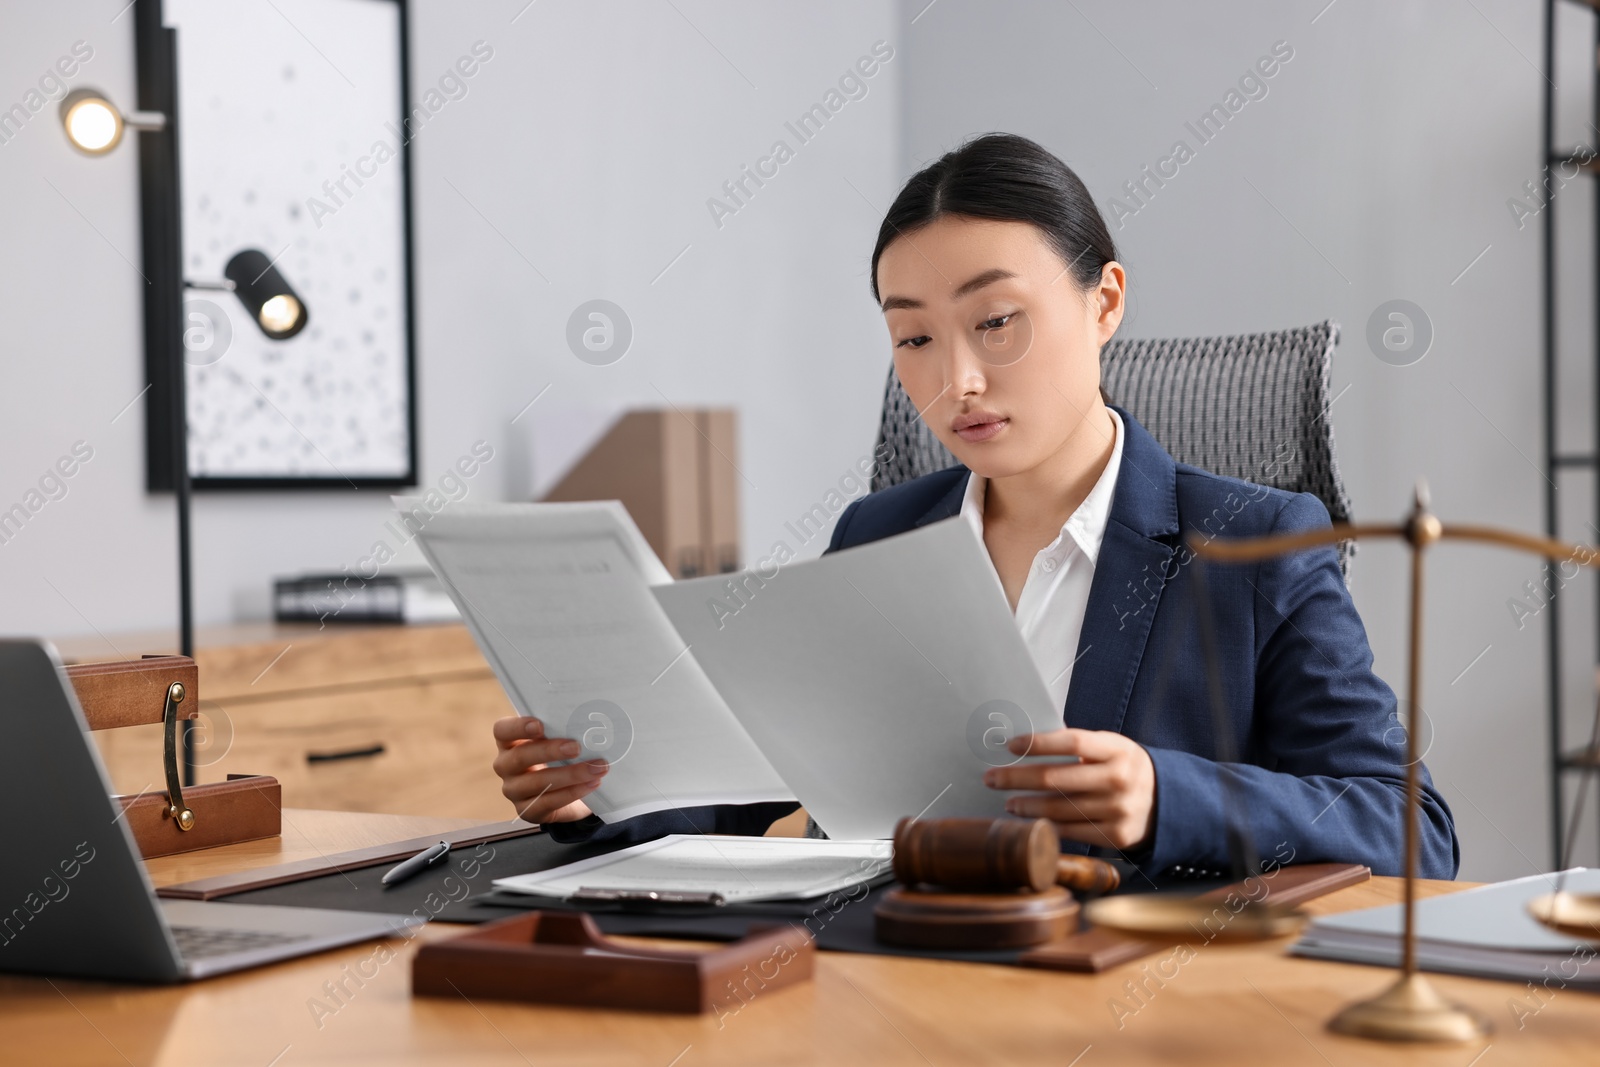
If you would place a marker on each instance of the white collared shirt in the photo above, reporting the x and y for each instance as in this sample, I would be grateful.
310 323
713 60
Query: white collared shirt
1055 594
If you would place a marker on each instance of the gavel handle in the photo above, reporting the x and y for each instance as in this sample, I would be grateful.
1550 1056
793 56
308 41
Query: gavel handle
1087 874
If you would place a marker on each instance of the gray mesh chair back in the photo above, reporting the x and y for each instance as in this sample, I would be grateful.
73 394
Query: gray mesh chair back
1251 406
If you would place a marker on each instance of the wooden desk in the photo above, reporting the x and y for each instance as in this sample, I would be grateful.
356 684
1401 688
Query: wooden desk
1227 1005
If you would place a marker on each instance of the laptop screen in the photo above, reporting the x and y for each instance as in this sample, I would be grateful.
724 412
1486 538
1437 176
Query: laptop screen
74 899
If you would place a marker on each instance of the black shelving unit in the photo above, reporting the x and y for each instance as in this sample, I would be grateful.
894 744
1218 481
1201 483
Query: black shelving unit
1564 762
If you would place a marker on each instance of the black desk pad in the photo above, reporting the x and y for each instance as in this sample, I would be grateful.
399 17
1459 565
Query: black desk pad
453 886
461 890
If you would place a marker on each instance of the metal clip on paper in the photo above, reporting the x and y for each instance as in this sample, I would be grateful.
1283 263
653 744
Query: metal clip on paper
598 895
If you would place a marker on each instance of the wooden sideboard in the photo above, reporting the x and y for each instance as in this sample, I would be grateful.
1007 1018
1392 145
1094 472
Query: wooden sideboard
349 718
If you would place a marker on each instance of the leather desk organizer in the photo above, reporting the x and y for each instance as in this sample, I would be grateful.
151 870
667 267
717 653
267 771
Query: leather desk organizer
551 957
166 689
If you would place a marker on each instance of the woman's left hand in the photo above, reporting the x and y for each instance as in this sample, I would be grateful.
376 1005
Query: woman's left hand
1108 797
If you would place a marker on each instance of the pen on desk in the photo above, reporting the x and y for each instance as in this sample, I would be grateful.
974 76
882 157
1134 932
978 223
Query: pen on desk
416 864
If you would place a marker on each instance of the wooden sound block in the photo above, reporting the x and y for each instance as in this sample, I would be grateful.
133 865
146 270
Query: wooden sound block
929 918
554 957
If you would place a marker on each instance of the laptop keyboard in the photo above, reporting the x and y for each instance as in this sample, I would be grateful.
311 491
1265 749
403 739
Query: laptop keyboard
200 942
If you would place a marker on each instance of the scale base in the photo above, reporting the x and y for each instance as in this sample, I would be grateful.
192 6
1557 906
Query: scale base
1411 1010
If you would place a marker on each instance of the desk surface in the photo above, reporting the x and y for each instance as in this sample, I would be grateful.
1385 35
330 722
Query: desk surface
1233 1005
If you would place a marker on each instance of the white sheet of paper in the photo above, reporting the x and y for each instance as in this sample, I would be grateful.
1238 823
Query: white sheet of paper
557 596
881 681
740 868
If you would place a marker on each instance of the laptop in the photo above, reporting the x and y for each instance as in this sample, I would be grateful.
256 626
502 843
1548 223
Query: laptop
74 897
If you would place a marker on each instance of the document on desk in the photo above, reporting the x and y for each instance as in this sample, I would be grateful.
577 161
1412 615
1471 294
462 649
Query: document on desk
736 869
881 681
557 597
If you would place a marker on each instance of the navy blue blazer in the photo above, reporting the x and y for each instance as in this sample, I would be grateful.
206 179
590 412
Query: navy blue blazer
1321 774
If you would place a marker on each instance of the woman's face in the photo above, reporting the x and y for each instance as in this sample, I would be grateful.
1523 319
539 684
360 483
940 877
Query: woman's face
993 340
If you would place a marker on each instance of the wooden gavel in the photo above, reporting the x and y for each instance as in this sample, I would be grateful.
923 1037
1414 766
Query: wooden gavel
988 855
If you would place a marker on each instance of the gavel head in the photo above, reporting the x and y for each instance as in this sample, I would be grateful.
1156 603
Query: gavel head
983 855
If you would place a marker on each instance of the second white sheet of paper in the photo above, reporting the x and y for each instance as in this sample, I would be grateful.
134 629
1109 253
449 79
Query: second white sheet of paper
880 681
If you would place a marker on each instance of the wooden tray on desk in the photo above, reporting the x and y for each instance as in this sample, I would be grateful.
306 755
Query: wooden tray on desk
551 957
1095 950
246 807
165 691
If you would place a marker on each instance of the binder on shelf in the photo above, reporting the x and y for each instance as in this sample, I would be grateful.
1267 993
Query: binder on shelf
676 471
402 596
166 689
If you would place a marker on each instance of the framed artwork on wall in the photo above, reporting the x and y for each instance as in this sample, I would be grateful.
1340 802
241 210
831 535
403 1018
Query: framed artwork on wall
293 177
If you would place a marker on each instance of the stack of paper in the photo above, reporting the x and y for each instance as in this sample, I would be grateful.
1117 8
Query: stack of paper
871 684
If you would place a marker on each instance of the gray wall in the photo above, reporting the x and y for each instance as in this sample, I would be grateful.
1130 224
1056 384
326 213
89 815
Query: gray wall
1376 167
578 166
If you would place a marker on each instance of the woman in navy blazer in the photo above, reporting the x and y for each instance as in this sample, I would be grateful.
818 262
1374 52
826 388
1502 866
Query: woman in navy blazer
999 283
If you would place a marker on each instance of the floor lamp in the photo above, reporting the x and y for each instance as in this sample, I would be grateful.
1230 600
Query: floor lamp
95 126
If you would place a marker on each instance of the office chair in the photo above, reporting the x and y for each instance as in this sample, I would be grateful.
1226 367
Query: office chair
1251 406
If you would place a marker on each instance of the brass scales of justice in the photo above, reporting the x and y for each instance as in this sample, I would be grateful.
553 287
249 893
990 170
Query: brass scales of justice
1410 1009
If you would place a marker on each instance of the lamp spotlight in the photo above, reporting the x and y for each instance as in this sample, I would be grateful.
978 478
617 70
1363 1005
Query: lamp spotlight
266 294
94 125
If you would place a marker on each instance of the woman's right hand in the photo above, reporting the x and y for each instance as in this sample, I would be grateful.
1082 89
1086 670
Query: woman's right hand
542 793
